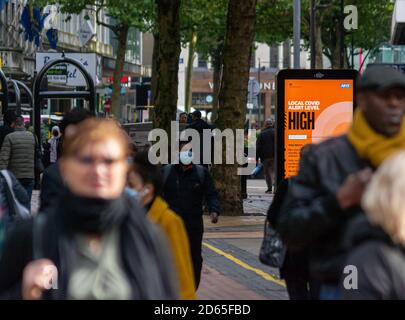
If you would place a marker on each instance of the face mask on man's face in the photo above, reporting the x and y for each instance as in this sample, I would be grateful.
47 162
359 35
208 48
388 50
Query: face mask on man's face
186 157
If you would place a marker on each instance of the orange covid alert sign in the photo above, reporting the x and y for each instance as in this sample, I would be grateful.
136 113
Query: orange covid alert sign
314 110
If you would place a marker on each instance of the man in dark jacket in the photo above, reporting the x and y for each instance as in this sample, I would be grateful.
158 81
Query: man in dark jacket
326 194
8 126
52 184
200 125
18 155
265 152
185 188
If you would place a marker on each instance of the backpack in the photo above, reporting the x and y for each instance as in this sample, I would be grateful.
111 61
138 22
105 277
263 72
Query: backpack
167 169
15 209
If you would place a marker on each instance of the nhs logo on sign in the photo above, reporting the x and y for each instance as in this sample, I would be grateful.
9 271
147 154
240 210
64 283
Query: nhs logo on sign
345 85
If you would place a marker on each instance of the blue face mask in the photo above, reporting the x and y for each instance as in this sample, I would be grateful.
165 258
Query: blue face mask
186 157
133 193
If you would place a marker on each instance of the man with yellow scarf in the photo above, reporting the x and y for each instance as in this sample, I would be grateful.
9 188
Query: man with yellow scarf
325 196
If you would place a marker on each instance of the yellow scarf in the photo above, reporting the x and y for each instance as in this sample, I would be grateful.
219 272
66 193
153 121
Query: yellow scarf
371 145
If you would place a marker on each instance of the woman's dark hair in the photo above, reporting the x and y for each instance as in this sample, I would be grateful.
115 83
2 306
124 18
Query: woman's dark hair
149 172
74 116
9 117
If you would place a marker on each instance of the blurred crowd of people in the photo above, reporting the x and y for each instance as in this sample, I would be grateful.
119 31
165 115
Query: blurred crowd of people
110 224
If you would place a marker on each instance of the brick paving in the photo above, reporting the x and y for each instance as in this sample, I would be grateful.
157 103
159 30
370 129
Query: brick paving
216 286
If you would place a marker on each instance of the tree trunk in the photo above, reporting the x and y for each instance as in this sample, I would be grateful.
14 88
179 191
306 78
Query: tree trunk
154 66
335 49
119 67
167 63
233 95
189 75
217 64
318 45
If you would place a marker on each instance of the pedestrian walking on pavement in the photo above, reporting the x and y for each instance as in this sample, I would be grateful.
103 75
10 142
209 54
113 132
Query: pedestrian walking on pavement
295 267
146 180
9 119
52 184
186 187
18 155
325 196
95 243
265 153
54 149
377 240
200 125
183 117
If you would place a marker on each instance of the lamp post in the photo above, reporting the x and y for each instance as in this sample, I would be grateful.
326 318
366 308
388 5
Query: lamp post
297 34
342 35
259 97
313 33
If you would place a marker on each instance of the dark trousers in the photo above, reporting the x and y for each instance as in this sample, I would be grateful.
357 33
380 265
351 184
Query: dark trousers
195 236
295 272
301 288
28 185
268 166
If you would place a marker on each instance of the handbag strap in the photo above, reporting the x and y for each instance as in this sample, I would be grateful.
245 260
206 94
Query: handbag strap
10 198
14 201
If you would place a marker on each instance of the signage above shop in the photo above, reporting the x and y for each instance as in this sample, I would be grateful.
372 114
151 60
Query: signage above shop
74 76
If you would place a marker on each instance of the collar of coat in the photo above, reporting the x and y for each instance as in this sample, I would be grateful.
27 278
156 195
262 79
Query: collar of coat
157 209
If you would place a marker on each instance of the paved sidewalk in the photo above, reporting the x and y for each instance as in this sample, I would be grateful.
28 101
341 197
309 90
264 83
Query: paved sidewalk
227 290
258 201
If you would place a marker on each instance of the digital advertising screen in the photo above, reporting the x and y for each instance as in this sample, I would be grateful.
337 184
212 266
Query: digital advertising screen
310 110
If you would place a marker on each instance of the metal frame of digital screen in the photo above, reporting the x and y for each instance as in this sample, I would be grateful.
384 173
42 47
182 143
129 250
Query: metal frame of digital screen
297 74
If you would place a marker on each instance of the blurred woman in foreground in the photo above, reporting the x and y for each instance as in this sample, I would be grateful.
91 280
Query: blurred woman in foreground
146 180
95 243
376 264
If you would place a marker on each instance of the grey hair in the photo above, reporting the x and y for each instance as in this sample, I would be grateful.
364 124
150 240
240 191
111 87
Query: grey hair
383 199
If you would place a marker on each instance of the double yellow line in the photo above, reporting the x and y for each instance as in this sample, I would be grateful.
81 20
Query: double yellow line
244 265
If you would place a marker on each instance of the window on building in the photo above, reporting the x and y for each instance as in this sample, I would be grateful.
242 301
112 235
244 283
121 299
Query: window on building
133 53
274 56
286 55
201 98
253 59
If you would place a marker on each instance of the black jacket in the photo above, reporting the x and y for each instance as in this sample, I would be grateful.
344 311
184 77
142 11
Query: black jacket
52 186
185 194
24 245
4 130
6 197
265 144
200 125
311 215
379 262
273 214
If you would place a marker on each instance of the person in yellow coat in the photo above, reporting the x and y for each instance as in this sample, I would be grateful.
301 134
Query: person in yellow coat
145 181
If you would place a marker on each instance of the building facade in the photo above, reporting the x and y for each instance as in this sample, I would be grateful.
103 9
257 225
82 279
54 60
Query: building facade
17 55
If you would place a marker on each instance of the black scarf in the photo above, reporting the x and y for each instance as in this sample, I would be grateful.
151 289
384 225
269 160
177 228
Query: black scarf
145 257
92 215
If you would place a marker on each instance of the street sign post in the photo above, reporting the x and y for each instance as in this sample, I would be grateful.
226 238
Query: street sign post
86 33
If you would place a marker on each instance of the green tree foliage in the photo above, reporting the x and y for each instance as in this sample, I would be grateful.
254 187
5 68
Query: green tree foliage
275 23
